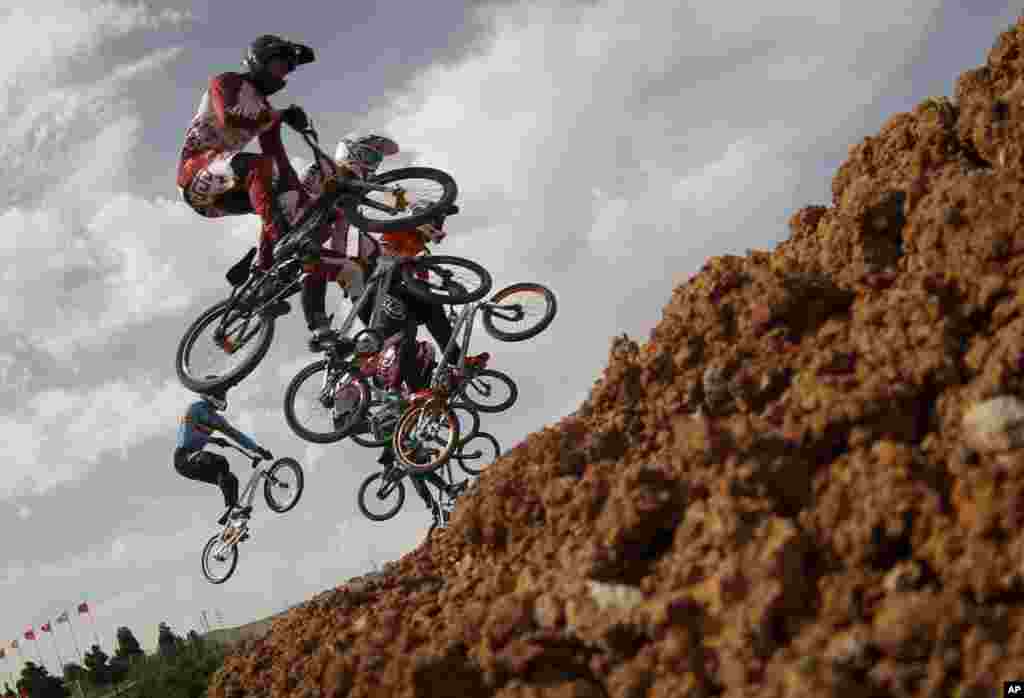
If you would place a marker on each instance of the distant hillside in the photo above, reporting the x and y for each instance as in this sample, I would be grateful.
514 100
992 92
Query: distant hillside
232 636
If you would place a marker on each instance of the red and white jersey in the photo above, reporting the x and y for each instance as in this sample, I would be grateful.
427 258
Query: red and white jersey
232 113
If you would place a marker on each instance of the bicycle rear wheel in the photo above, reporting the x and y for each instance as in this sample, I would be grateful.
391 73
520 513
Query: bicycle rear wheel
448 280
320 414
383 212
246 340
217 551
532 304
284 475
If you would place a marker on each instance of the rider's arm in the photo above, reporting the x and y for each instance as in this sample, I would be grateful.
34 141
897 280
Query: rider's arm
233 110
221 425
270 144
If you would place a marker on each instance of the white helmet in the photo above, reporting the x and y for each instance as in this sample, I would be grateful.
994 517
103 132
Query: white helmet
364 152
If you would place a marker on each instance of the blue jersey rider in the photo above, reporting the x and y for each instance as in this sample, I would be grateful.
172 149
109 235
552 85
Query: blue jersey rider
197 425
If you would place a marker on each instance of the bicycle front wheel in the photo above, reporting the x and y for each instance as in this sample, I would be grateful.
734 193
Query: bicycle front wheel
219 559
489 391
446 280
477 453
387 212
519 312
283 485
426 437
387 493
231 349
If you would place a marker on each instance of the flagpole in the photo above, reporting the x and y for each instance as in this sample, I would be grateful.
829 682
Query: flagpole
74 639
84 608
56 650
93 621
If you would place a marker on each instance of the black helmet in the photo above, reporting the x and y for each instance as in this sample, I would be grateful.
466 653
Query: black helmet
266 48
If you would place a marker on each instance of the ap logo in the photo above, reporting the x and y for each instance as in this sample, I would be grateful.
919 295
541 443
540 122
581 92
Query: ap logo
1013 688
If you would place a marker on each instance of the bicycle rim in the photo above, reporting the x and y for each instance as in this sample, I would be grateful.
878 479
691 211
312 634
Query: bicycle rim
283 485
519 312
425 438
206 360
219 560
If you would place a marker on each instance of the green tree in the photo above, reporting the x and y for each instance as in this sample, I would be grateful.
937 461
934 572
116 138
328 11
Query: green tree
96 666
73 671
167 642
181 675
127 646
37 681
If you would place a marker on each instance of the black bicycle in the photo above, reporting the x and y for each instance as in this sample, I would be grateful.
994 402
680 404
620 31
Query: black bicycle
330 396
236 332
386 489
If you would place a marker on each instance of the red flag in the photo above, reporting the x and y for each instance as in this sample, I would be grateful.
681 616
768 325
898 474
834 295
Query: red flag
83 607
30 634
45 627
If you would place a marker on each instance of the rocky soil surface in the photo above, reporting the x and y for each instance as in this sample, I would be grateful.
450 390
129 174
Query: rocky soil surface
808 481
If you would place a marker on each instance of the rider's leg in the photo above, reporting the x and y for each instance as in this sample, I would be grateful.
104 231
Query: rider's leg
408 365
421 489
256 173
234 183
434 317
437 481
211 468
314 302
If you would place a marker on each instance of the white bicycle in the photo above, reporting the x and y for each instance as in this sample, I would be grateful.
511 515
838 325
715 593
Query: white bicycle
283 482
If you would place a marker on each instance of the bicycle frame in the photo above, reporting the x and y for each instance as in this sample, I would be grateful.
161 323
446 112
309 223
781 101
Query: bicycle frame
248 494
464 321
336 187
381 278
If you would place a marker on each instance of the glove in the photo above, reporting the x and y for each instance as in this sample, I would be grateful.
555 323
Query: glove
264 453
295 117
431 232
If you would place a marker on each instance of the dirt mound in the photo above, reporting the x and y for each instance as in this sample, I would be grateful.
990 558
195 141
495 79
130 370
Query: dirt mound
808 482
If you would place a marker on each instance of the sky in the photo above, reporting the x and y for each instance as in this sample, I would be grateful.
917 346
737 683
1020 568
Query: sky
603 148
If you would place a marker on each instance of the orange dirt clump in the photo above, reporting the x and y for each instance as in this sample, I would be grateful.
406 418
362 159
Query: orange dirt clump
809 481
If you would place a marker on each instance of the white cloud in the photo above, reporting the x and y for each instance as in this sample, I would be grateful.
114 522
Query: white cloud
672 112
134 260
71 130
59 435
